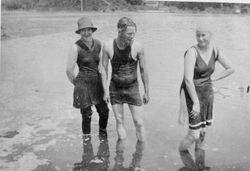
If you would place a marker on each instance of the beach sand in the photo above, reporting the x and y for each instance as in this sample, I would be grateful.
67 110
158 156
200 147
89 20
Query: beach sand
40 130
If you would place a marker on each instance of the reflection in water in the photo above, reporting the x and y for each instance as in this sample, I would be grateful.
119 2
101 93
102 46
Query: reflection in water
135 164
119 159
100 161
190 164
91 162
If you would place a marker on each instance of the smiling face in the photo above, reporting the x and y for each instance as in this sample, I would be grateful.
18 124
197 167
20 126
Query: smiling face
86 33
203 37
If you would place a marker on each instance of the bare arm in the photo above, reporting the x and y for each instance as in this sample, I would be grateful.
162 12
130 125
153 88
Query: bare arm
100 56
104 71
144 74
189 63
71 63
227 65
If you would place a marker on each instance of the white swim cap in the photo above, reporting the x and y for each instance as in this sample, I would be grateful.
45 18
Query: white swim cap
205 25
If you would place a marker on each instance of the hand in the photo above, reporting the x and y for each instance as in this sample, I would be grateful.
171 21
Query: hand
145 98
106 97
73 81
195 111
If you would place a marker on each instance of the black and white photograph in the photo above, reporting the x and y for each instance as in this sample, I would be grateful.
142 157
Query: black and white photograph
125 85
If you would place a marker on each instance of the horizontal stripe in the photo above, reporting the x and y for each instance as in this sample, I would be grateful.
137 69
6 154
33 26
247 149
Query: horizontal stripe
191 125
209 121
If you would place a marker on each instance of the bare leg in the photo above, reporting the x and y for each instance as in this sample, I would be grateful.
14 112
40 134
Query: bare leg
119 116
200 151
119 158
137 156
189 139
136 112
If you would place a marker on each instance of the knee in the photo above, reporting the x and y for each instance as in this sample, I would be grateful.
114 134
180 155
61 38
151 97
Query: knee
200 144
103 109
138 123
86 112
186 143
190 138
194 133
119 119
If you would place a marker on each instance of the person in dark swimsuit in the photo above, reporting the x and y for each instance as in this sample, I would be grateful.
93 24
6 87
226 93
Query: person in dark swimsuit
125 55
88 89
197 87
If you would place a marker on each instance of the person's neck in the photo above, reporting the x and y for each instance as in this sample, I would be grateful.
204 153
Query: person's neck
204 48
88 41
121 43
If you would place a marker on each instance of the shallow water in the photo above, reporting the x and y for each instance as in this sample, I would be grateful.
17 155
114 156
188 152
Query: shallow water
36 96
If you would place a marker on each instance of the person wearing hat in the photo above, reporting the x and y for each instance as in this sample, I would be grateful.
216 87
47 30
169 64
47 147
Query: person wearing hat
88 89
125 55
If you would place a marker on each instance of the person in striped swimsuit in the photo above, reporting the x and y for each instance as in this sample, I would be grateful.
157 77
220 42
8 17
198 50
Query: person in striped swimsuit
197 86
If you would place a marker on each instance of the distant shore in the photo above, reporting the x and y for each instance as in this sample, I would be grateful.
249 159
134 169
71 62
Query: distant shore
167 9
23 28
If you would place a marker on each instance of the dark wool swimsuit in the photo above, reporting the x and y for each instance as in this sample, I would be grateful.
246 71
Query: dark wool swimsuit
204 90
88 89
124 86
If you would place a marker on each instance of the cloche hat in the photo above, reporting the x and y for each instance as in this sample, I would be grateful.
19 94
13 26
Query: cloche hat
85 22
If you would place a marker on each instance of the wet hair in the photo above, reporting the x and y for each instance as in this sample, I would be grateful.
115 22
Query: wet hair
125 22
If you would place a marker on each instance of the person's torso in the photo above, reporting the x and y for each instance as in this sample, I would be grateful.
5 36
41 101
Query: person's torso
88 58
203 70
124 67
